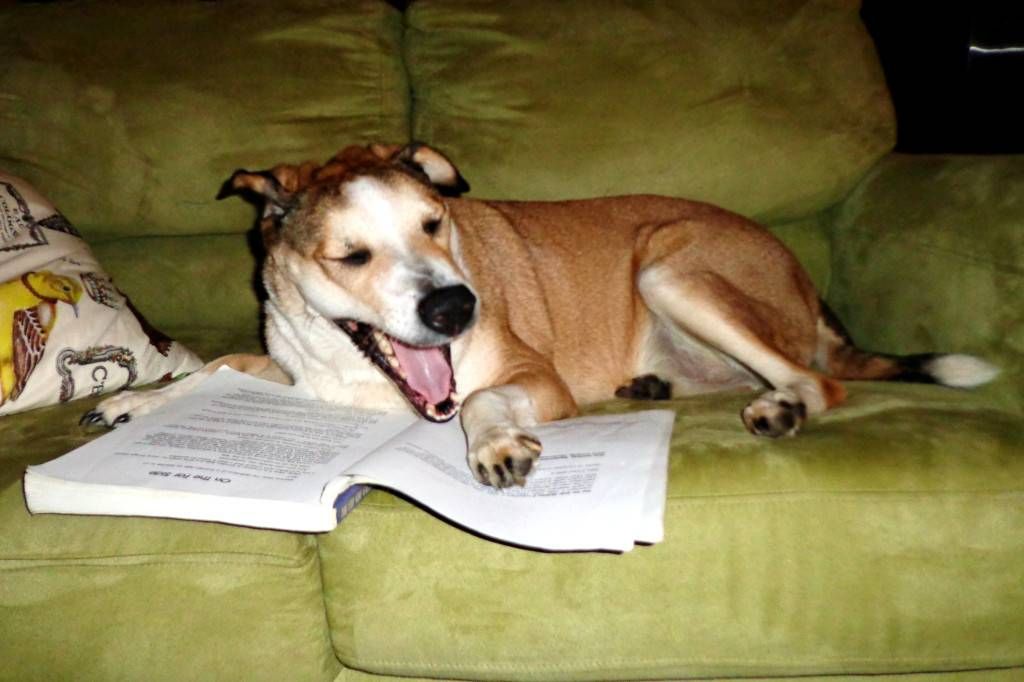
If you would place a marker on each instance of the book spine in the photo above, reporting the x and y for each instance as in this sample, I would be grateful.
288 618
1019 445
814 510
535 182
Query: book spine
347 501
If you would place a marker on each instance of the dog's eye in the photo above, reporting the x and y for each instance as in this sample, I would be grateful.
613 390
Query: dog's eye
360 257
431 227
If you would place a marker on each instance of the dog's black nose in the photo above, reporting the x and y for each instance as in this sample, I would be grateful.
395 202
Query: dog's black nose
447 310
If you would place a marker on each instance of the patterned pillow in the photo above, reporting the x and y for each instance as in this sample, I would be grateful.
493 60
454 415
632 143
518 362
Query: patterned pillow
65 330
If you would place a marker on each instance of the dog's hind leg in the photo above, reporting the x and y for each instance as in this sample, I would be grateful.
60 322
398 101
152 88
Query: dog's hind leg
770 343
121 407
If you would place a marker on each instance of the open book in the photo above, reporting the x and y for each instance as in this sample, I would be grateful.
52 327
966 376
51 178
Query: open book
244 451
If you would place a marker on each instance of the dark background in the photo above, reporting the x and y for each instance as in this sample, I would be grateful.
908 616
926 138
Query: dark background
955 70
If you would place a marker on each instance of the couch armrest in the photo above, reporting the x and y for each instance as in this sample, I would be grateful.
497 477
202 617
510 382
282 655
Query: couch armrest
928 255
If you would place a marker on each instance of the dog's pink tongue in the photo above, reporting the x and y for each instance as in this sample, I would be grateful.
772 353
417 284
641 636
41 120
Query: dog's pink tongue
426 370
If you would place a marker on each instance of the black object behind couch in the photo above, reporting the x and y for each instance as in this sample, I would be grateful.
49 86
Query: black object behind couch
956 71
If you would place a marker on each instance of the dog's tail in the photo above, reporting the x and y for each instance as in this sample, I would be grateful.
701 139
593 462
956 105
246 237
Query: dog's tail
840 358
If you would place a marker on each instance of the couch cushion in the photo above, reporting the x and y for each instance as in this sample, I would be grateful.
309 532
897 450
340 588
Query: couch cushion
95 598
749 105
188 282
928 255
131 115
887 537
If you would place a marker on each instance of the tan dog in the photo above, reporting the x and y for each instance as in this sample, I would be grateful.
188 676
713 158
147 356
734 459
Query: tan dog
529 309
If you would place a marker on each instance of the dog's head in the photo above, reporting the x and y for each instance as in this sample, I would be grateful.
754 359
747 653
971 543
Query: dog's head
366 239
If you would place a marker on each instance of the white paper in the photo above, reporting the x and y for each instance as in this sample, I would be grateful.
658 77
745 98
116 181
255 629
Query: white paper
246 451
590 489
234 436
236 449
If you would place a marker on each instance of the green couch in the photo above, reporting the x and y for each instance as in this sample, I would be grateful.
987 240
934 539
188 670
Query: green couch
887 539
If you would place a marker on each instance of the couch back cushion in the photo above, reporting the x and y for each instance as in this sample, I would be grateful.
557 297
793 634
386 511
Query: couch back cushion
929 256
131 115
773 108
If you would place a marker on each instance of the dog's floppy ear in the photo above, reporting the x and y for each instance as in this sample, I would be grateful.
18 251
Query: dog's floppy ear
441 172
262 188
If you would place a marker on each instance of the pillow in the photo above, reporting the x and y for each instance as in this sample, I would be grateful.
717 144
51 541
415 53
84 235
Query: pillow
65 330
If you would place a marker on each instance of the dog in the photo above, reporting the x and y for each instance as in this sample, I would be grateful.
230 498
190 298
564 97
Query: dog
385 288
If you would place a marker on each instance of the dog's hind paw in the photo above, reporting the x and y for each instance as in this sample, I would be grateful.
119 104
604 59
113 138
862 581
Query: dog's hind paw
775 414
503 456
646 387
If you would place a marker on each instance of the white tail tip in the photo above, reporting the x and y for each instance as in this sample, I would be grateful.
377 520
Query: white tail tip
961 371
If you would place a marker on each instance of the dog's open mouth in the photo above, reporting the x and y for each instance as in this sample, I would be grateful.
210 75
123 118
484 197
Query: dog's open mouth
424 375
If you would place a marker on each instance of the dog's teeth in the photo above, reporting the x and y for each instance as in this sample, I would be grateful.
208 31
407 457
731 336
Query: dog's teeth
431 411
383 342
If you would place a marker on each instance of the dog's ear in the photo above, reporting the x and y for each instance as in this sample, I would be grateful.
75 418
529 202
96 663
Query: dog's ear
441 172
263 188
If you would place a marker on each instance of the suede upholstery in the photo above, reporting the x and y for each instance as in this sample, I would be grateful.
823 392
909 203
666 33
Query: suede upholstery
860 513
133 130
150 106
564 100
928 254
887 539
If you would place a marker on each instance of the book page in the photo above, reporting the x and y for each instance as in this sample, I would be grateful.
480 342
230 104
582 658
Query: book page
652 527
596 485
250 452
233 436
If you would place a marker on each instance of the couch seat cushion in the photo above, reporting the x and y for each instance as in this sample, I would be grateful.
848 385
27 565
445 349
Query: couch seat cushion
104 598
745 104
888 537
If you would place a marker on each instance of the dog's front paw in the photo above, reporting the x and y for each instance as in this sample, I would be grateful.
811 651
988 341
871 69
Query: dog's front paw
121 407
503 456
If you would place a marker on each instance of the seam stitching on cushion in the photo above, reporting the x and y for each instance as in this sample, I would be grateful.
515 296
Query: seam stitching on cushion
145 559
970 258
779 497
403 58
57 563
850 495
984 663
325 609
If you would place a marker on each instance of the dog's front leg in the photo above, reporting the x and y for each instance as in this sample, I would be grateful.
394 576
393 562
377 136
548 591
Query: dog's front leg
122 407
502 452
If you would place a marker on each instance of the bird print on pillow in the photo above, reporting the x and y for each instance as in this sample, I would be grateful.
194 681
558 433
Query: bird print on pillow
28 312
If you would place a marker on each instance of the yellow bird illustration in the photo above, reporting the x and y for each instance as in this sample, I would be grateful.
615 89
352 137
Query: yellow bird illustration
28 311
